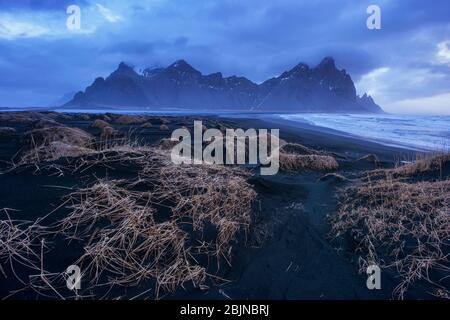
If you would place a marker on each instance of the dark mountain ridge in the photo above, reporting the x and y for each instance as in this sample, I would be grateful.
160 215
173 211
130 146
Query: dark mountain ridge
301 89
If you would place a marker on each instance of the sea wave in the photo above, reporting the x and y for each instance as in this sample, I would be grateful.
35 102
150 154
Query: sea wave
416 131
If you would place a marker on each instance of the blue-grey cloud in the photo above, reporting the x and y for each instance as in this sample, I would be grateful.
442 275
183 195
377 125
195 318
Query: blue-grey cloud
254 38
39 4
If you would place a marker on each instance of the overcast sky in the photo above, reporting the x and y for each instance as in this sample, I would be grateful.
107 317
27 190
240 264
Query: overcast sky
405 66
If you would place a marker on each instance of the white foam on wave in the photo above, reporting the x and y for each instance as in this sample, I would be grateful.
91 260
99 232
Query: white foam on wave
417 131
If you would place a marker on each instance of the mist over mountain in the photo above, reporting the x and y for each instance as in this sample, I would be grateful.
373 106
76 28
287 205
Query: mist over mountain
323 88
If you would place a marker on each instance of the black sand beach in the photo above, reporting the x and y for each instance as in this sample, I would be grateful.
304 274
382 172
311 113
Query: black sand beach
288 251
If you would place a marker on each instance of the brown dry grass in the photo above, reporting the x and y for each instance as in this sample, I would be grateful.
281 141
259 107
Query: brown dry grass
63 116
296 157
52 143
400 225
167 143
98 123
17 242
296 162
146 125
109 149
55 142
204 193
295 148
23 117
64 134
433 165
84 116
132 247
426 164
108 133
123 240
128 119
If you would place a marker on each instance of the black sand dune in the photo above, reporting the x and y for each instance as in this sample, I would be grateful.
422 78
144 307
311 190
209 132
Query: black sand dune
288 252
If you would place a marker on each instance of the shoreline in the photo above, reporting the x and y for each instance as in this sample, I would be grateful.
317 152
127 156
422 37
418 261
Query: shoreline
326 138
285 254
267 117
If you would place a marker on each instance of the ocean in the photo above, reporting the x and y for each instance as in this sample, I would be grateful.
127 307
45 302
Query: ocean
423 132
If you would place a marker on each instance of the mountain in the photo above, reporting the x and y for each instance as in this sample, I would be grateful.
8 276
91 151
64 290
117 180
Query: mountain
301 89
64 98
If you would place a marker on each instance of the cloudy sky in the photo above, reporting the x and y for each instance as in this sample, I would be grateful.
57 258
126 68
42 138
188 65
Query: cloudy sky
405 66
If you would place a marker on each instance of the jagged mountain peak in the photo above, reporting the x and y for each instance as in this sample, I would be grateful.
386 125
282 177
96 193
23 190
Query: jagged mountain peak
299 69
367 102
182 65
98 80
327 63
301 89
124 69
123 66
180 69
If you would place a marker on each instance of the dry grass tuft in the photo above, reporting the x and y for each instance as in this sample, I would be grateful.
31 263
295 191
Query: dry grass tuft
163 127
80 151
52 143
436 163
23 117
106 117
167 143
116 219
163 120
400 225
108 132
54 151
428 167
205 194
7 131
99 124
124 240
64 134
84 117
146 125
295 148
63 116
296 157
17 242
132 247
296 162
128 119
